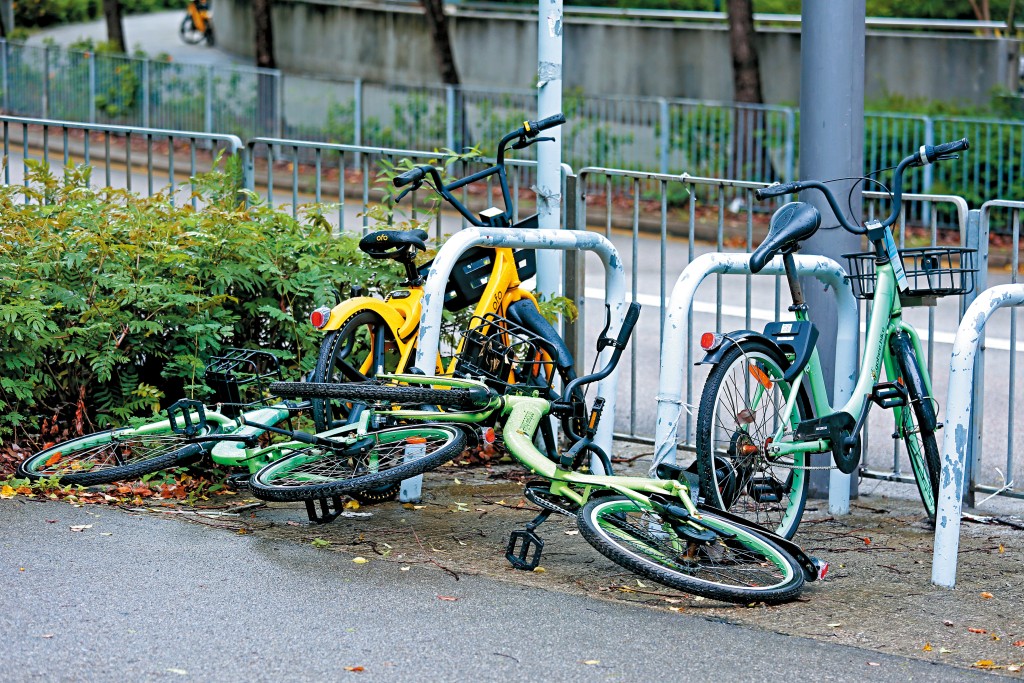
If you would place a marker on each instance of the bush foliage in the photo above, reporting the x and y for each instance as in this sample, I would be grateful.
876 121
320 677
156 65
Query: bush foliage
111 302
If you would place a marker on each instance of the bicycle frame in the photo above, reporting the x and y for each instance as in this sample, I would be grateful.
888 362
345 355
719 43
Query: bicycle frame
199 16
886 320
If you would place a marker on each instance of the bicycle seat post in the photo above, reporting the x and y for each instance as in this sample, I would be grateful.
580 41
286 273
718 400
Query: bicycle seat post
796 291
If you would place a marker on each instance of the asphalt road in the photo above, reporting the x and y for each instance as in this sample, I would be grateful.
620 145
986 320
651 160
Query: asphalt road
140 598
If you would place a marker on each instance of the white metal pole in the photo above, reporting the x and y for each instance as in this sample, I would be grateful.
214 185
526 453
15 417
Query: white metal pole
549 154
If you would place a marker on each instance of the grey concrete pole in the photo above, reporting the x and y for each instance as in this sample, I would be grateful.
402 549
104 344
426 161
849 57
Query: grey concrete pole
831 146
549 154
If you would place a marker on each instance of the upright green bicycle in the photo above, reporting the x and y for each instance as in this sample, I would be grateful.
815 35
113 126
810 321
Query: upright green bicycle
764 408
649 526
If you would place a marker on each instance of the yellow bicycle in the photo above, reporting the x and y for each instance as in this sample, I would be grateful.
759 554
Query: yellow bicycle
197 25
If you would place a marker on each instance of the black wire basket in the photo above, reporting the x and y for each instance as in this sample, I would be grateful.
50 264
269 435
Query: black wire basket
506 356
240 374
931 272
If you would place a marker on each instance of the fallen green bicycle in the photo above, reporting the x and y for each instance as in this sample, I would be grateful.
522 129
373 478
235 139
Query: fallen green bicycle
649 526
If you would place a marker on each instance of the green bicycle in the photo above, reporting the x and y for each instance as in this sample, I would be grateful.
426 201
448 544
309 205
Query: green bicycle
764 408
649 526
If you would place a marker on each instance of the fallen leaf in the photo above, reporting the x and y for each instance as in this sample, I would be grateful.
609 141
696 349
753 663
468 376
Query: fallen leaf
640 584
927 647
944 650
242 532
352 505
591 661
404 569
1001 549
987 596
985 664
572 532
836 625
947 622
676 609
360 560
977 630
539 570
867 541
1018 643
698 598
874 664
447 598
672 601
46 635
107 533
180 672
457 480
6 492
291 523
81 527
354 668
1013 667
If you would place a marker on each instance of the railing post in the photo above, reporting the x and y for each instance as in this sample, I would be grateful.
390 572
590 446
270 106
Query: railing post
208 109
664 140
357 119
6 82
279 119
145 94
46 82
575 274
449 116
92 87
976 237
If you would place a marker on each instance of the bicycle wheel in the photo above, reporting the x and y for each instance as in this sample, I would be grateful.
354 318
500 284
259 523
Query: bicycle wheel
188 31
112 455
357 351
740 411
362 394
916 423
717 559
378 459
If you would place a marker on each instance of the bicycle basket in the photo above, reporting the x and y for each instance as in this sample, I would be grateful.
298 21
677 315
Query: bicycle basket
931 272
229 374
472 272
504 355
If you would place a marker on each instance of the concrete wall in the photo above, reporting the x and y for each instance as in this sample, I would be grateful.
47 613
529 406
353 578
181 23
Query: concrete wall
385 43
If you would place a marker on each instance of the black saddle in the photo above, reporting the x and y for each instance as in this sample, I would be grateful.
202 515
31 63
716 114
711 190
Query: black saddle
399 245
790 225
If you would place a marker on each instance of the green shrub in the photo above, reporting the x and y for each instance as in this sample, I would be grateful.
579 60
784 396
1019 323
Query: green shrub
110 302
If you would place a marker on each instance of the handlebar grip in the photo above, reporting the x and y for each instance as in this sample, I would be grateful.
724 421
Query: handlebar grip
628 323
931 153
535 127
414 176
777 190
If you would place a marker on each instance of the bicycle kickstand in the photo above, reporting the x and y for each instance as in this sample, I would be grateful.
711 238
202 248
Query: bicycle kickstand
525 546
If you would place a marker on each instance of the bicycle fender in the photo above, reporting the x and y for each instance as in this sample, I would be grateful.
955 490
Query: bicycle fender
344 311
740 337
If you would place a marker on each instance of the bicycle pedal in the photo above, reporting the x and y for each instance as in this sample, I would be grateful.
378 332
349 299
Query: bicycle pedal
238 481
182 409
324 510
889 395
524 549
766 490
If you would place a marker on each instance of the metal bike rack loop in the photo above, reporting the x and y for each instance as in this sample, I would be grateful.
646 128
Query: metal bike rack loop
677 339
955 439
566 240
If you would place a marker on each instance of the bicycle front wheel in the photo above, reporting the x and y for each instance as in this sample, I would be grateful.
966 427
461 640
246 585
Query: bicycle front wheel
916 423
112 455
356 352
715 559
188 31
381 458
741 410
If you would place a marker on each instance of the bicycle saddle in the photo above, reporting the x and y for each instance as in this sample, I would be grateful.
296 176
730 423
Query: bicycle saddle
790 225
393 244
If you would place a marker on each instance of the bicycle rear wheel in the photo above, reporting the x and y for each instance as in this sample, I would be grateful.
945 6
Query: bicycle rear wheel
740 412
916 423
379 459
716 559
188 31
363 346
112 455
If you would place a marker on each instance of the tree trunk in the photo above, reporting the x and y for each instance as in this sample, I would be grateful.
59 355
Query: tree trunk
115 27
266 84
751 158
442 42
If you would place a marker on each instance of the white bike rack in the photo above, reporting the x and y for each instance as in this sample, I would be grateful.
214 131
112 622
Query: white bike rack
513 238
956 430
677 339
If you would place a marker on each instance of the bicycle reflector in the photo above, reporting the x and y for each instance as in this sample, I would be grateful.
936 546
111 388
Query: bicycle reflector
709 341
320 317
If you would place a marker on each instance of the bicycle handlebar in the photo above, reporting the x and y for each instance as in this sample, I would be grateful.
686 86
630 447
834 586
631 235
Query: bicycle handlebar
412 176
927 154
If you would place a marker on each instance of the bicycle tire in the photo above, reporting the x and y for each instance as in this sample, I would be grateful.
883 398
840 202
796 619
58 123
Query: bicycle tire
311 472
208 34
188 31
371 393
99 458
771 493
355 352
737 565
917 426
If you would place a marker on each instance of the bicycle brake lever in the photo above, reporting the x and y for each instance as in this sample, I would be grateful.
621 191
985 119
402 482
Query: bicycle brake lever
524 143
406 191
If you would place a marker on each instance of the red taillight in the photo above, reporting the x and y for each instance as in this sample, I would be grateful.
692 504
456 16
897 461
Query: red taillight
709 341
488 435
320 317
